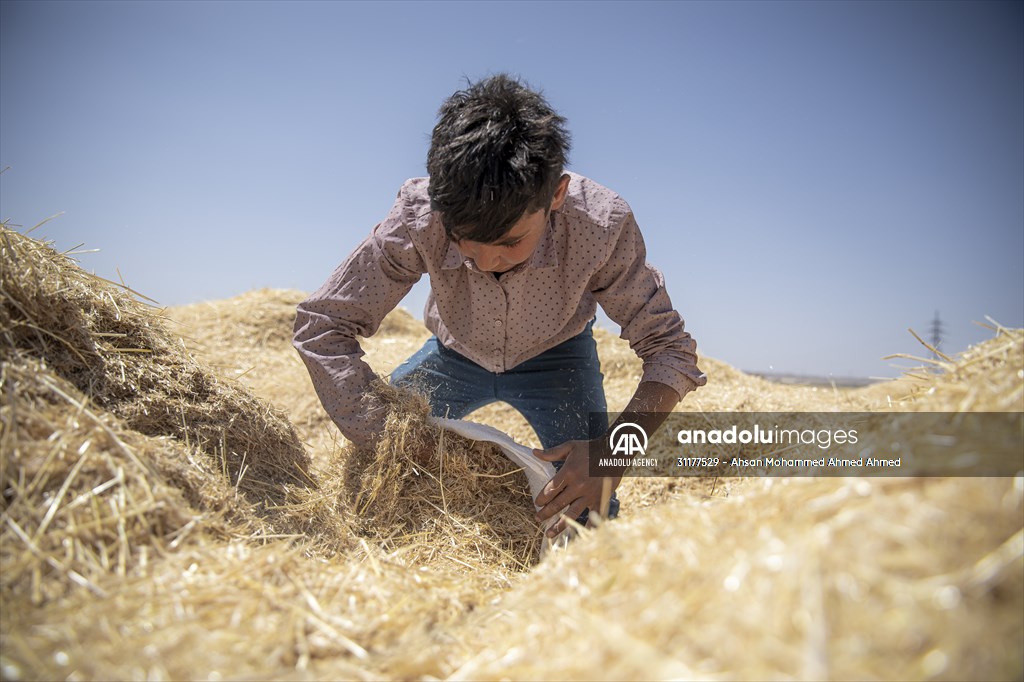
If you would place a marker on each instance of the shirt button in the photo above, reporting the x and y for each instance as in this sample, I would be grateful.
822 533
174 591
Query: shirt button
498 323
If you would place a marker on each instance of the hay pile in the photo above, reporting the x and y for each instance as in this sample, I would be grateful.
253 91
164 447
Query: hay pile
138 483
160 521
248 337
116 444
798 578
481 524
430 502
101 340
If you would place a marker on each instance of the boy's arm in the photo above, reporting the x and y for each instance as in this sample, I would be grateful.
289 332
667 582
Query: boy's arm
633 294
351 303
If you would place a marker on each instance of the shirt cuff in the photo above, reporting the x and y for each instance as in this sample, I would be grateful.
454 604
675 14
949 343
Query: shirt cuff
682 382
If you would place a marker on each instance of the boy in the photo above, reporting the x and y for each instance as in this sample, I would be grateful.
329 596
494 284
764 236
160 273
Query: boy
519 254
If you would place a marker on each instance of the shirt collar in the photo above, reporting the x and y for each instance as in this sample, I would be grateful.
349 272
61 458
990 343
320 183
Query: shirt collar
453 258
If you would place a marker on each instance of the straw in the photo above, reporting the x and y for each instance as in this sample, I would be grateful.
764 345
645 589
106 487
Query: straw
189 512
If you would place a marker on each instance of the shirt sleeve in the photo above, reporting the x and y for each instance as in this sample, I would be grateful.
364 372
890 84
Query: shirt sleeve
353 302
632 292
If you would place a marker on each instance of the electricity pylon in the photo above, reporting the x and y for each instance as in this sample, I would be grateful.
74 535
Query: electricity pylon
937 330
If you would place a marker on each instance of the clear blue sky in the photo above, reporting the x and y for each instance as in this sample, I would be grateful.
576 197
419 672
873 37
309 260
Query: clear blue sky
812 177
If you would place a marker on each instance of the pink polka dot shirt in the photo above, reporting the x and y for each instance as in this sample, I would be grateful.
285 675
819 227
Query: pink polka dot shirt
591 253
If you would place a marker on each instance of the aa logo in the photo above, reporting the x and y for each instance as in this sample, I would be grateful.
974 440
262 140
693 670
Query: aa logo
628 439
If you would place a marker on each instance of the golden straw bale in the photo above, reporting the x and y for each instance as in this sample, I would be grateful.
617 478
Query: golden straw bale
116 350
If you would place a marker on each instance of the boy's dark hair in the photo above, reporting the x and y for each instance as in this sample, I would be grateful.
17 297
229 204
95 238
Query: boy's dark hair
497 152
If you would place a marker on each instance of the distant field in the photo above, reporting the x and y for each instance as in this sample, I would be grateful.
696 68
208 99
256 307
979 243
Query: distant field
810 380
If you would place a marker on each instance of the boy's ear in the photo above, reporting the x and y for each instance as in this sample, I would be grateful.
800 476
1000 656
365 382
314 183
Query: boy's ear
560 193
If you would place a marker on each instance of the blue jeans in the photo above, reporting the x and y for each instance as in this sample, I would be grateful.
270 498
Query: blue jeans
559 392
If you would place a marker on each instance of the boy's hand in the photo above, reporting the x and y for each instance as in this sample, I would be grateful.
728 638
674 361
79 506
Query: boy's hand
572 486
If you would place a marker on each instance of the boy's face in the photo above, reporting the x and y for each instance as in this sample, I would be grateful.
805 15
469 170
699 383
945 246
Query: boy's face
519 243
